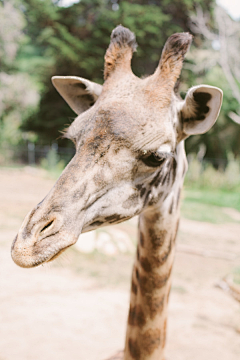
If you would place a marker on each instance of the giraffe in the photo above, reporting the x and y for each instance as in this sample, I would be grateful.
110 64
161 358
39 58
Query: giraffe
130 160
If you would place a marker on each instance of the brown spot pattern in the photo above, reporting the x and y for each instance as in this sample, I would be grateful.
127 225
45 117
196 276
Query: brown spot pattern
147 197
134 287
165 178
159 260
136 316
142 192
113 218
148 284
157 239
150 340
134 349
171 206
145 345
155 305
174 170
138 254
77 195
131 201
157 179
137 274
145 263
141 239
99 179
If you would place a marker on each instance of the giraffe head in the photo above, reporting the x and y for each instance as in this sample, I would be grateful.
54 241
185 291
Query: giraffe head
128 136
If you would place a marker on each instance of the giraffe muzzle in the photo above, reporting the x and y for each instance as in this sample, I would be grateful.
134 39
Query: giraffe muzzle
38 242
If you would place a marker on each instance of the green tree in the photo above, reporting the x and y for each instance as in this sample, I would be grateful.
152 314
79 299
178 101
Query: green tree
18 95
74 40
216 63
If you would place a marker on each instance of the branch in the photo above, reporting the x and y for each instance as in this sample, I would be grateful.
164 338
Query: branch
222 20
230 287
234 117
228 38
198 25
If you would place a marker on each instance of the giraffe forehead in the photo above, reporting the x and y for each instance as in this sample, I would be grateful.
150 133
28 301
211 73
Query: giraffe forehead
116 123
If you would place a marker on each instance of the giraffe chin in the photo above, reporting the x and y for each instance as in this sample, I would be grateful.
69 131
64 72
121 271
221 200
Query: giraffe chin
29 255
54 257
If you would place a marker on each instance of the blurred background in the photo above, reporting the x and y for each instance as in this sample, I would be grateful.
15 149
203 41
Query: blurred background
82 298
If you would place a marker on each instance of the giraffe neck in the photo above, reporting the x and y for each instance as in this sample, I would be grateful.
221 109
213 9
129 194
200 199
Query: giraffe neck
151 278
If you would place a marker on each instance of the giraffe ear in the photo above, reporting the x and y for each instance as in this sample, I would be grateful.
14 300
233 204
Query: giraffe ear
200 109
79 93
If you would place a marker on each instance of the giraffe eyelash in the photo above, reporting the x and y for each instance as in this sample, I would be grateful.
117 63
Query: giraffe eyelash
66 135
155 158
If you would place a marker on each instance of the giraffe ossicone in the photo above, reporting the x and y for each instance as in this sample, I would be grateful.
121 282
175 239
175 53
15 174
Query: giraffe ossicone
130 160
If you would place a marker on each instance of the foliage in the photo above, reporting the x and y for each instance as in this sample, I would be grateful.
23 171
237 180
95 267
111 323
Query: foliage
236 275
48 40
203 211
208 192
204 175
216 63
224 136
11 25
18 94
52 162
76 38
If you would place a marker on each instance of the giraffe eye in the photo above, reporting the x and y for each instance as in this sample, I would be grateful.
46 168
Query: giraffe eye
153 160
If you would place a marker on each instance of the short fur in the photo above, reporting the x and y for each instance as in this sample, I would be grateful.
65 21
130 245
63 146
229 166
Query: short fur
123 44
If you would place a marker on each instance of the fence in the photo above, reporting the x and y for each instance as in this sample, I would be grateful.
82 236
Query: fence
33 154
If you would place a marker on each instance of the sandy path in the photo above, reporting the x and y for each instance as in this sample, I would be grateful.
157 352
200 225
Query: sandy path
56 313
48 314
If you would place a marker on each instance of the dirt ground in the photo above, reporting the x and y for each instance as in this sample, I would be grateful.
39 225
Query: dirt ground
61 312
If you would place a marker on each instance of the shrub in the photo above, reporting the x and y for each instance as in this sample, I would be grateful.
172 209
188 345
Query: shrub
204 175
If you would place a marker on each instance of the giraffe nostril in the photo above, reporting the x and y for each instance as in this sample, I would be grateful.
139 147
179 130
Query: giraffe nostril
46 226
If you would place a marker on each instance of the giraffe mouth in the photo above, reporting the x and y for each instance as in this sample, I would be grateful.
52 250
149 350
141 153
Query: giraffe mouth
54 257
34 252
43 237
